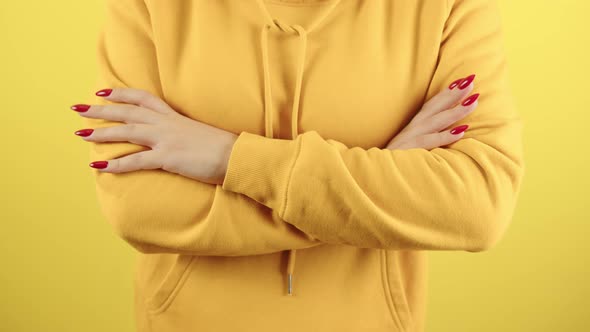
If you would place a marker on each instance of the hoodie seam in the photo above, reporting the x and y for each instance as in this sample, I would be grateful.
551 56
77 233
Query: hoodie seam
385 283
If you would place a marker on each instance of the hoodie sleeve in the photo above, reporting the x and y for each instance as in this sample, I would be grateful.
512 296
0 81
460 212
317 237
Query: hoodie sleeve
155 210
458 197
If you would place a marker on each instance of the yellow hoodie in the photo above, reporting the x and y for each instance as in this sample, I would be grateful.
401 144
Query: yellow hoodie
315 89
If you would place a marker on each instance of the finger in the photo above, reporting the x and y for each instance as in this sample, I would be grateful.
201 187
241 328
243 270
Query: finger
137 161
137 97
121 113
133 133
435 140
446 118
447 98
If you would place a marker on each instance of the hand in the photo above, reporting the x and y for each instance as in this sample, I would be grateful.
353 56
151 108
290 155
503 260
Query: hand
178 144
438 113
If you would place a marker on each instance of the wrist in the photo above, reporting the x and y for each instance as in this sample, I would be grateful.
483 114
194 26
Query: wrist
226 147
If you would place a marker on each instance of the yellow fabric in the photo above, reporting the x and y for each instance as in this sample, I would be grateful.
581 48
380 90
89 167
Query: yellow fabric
268 109
314 104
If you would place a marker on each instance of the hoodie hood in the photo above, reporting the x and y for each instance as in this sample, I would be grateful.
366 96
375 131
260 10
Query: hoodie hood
302 34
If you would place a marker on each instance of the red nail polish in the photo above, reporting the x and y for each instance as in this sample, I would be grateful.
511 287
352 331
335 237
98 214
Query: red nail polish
80 107
459 129
84 132
99 164
467 81
455 83
104 92
470 100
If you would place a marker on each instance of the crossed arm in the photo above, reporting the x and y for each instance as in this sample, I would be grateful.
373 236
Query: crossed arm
456 198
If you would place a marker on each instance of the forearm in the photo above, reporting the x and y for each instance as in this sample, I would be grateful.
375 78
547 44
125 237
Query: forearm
159 211
460 197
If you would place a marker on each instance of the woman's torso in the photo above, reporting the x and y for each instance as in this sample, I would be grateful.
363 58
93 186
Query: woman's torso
367 69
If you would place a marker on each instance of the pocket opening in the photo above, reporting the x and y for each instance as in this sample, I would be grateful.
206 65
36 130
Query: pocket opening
171 284
391 301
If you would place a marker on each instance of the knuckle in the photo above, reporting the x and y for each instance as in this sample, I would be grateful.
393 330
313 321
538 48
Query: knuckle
131 129
108 133
420 140
143 95
413 126
112 111
124 163
436 139
439 121
167 165
428 105
99 134
451 115
444 137
457 114
400 138
119 93
136 158
436 99
468 110
134 131
417 118
464 109
95 108
107 108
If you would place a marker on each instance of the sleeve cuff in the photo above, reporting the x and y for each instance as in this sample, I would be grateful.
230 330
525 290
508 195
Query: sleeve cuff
260 168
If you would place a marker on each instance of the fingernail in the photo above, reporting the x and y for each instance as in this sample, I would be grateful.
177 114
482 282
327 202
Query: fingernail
99 164
84 132
470 100
80 107
459 129
467 81
455 83
104 92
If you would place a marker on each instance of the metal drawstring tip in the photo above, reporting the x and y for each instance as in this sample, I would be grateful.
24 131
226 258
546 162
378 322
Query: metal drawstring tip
290 284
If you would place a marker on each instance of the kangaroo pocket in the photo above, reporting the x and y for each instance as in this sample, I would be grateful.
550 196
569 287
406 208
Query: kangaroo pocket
336 288
177 269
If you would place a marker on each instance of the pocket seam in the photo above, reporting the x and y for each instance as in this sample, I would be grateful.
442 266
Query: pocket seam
393 307
154 308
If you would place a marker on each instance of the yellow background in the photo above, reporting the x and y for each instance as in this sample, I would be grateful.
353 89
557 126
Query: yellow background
63 269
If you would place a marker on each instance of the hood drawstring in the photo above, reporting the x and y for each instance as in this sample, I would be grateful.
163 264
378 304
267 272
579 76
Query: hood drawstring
268 109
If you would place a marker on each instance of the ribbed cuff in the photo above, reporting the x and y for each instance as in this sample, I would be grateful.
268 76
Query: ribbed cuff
259 167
